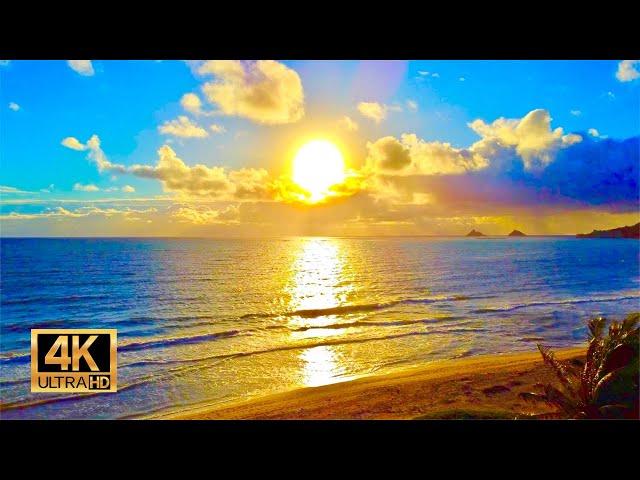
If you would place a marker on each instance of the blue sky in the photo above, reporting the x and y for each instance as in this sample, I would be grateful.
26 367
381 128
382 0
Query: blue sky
125 103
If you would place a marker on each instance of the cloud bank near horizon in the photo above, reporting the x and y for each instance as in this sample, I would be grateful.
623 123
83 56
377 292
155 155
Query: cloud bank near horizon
518 167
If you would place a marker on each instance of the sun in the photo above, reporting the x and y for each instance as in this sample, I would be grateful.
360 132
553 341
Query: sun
317 166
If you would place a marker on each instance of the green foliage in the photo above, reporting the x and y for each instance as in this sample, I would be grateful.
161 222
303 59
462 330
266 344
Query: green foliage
607 384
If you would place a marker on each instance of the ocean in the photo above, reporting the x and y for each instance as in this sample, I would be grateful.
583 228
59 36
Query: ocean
208 321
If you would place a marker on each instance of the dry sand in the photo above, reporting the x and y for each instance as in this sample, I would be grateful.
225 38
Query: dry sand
477 387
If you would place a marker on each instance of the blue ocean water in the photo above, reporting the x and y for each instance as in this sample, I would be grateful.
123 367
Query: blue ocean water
207 321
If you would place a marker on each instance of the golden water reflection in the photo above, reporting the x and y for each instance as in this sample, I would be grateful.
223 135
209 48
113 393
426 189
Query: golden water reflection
319 282
318 275
320 366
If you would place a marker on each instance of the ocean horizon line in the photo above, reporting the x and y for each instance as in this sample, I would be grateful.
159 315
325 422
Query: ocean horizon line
266 237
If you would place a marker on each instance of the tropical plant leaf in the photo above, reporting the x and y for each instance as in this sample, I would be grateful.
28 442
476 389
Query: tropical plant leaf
591 365
619 357
615 338
596 327
613 411
561 370
615 331
607 386
561 400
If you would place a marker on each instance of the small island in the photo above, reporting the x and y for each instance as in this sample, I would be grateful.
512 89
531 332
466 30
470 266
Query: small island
474 233
620 232
517 233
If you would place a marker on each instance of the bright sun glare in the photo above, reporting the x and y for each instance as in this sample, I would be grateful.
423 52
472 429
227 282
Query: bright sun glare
318 165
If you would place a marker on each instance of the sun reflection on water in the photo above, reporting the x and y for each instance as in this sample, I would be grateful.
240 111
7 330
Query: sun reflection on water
317 274
320 366
318 282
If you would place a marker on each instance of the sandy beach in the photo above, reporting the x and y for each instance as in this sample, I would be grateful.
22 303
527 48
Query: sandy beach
477 387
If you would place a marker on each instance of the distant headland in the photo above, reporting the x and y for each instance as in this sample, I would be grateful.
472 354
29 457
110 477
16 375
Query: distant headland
620 232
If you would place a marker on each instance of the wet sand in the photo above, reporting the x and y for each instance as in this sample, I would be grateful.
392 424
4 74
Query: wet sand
475 387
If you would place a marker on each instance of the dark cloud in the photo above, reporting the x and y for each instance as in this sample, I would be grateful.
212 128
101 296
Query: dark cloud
596 172
592 173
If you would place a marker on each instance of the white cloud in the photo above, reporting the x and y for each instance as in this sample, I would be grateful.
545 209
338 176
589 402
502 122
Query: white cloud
61 212
83 67
435 75
424 73
14 106
531 136
388 153
182 127
191 103
8 190
57 212
128 189
411 155
217 128
431 158
264 91
96 155
207 216
596 134
576 113
78 187
611 95
198 180
176 176
160 199
100 159
49 189
373 110
627 70
73 143
462 79
348 124
412 105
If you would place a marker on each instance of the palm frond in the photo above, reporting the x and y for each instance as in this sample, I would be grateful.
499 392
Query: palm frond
615 331
561 400
561 370
596 327
609 361
615 338
590 368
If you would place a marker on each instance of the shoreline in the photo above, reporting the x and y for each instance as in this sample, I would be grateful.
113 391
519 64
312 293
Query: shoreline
486 386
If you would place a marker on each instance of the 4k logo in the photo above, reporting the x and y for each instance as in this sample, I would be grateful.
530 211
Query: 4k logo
74 360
